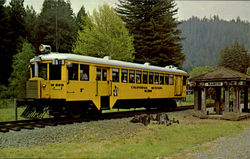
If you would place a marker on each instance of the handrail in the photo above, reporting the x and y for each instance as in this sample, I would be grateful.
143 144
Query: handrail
96 87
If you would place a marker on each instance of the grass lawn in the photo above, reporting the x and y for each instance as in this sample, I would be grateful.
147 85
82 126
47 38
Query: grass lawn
7 114
156 141
7 110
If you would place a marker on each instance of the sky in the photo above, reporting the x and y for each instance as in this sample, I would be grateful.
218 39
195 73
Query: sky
226 9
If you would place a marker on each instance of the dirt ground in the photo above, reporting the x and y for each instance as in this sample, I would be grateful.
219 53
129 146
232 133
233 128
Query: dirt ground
187 118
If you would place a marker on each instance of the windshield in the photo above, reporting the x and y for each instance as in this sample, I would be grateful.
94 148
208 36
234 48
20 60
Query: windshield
42 71
55 72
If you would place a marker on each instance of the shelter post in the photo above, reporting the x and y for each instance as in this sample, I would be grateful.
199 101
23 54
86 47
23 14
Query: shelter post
203 99
226 99
197 98
246 109
236 99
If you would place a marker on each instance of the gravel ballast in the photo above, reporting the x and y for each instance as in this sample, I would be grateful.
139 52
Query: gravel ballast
71 133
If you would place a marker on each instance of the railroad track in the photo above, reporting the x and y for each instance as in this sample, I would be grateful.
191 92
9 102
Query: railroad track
41 123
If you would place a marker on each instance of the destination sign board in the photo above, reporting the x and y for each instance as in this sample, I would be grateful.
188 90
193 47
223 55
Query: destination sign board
214 84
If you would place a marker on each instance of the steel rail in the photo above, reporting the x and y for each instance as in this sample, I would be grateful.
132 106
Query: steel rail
41 123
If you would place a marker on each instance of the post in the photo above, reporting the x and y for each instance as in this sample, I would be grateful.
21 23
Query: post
246 109
15 109
236 100
238 94
203 100
196 98
223 100
227 97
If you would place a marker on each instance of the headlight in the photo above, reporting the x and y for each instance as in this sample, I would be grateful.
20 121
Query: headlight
45 48
44 85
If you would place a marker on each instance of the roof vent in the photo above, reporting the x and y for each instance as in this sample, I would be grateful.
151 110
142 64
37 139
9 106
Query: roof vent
146 63
171 67
107 58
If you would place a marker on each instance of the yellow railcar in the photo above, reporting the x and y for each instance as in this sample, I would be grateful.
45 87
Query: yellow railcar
74 84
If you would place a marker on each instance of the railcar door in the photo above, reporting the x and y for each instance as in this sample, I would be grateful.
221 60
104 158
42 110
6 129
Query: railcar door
103 87
103 84
178 85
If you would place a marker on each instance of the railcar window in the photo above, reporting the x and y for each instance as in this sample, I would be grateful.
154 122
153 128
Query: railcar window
55 72
171 81
104 74
98 74
145 77
184 80
131 76
84 72
151 77
115 74
161 78
167 79
138 77
43 70
156 78
73 72
124 76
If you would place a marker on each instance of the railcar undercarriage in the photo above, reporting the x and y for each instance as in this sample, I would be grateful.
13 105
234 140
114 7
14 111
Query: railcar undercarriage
37 109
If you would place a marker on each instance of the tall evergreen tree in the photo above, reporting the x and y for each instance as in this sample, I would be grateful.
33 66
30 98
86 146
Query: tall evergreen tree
20 73
248 71
156 38
5 38
17 13
235 57
105 34
30 20
56 25
11 34
221 61
81 18
200 70
207 36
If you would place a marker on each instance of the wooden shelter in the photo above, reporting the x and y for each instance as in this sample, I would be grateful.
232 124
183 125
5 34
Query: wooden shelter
226 81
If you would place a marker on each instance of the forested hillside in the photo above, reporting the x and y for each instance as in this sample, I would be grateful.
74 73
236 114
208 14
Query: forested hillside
205 38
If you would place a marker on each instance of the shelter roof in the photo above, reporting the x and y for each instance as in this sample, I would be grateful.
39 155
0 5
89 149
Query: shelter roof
221 74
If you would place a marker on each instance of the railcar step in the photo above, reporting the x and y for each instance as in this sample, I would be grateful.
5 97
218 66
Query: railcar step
105 108
33 112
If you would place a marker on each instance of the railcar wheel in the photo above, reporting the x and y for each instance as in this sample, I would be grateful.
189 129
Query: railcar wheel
167 105
56 116
173 105
74 111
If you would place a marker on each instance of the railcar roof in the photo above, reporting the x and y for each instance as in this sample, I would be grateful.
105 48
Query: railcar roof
106 61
